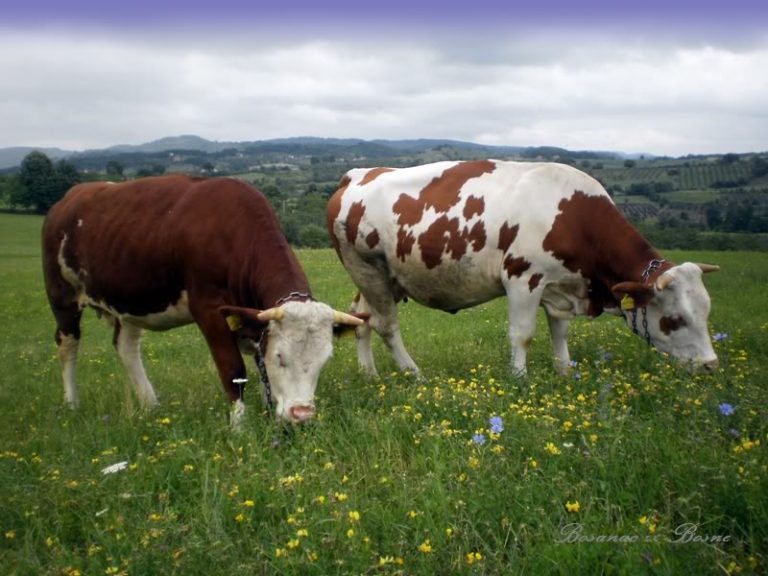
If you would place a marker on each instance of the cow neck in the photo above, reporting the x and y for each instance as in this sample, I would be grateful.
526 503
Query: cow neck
625 255
600 244
273 280
642 265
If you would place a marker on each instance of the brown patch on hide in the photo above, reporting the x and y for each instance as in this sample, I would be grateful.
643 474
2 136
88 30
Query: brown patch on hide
354 216
507 235
472 206
534 281
372 239
333 210
372 174
405 242
442 193
515 266
445 234
668 324
410 210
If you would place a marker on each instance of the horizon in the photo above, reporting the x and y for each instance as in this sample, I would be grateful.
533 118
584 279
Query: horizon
117 147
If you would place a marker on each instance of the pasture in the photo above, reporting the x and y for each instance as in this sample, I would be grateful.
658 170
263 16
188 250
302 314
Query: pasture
628 465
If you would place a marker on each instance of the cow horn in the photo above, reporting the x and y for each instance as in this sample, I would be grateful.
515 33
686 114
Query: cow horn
708 267
663 281
348 319
271 314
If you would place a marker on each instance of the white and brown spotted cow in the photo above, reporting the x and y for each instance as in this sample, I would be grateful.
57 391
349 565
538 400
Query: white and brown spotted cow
162 252
451 235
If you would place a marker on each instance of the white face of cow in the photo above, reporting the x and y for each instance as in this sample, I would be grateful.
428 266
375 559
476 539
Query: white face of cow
298 346
677 316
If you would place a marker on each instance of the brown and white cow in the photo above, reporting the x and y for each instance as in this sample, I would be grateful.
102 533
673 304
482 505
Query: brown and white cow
158 253
452 235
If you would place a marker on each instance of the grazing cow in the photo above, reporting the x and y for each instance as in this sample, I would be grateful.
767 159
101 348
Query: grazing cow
163 252
451 235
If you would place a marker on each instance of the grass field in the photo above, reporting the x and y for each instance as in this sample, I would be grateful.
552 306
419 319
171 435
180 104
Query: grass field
627 466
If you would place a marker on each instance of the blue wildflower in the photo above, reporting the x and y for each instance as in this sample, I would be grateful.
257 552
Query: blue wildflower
726 409
497 425
573 363
720 336
479 439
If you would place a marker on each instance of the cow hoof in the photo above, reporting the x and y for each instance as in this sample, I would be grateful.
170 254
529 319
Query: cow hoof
237 416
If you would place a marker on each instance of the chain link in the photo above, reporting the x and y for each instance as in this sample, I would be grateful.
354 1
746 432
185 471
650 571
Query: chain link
653 265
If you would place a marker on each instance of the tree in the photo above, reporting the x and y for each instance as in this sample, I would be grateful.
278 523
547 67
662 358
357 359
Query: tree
314 236
155 170
10 189
115 170
44 183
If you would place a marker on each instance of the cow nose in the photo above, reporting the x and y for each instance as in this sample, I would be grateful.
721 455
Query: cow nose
711 365
301 413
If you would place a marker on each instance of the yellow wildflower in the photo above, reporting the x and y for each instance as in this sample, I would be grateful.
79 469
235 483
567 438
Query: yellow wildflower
473 557
425 547
573 506
552 449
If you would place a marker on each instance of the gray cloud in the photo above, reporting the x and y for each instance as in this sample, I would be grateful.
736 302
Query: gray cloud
587 90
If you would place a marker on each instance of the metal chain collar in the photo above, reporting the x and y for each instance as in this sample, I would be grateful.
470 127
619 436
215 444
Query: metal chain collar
261 347
647 334
653 265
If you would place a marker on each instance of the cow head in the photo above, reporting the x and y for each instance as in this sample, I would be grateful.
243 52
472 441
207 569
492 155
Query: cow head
676 311
298 344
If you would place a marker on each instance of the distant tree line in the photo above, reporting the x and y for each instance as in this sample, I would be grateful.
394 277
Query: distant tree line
738 219
40 183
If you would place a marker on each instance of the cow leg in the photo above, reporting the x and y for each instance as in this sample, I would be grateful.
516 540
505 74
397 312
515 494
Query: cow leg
227 357
67 352
363 337
558 330
522 305
384 321
380 300
67 339
127 341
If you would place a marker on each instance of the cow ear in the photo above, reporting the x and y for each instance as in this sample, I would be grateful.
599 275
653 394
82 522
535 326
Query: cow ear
346 327
237 317
632 295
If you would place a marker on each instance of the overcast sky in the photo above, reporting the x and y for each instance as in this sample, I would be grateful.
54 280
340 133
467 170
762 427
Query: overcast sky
632 77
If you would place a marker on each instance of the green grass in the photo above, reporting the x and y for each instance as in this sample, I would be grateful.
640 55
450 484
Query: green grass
388 480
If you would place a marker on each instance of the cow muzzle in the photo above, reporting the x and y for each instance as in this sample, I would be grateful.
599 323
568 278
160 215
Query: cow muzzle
701 365
710 365
301 413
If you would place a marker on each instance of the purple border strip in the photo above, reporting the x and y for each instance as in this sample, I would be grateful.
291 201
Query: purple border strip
752 13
